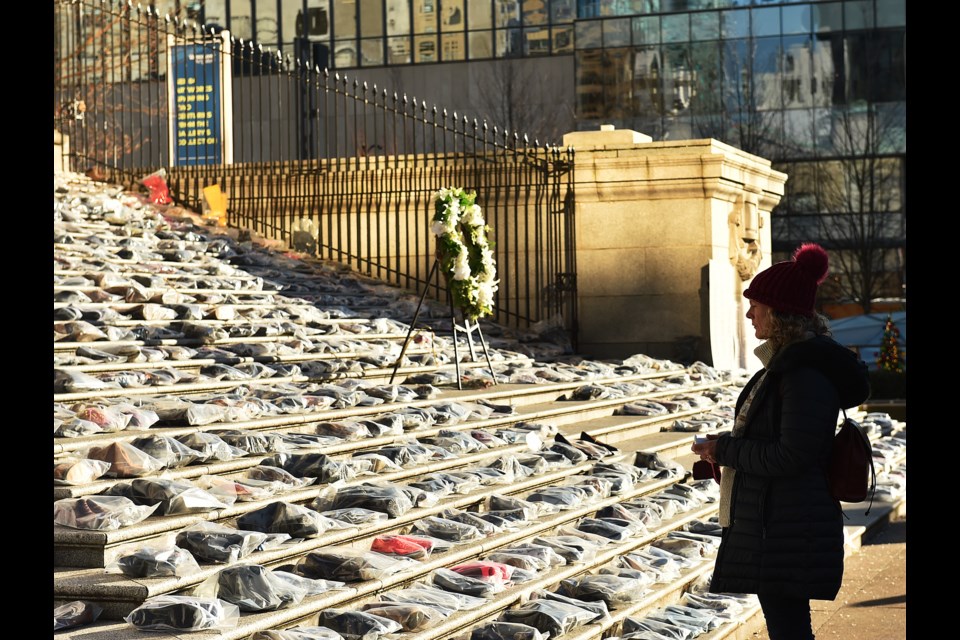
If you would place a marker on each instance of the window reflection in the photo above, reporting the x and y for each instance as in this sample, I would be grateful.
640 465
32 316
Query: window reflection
796 18
646 30
616 33
617 82
705 26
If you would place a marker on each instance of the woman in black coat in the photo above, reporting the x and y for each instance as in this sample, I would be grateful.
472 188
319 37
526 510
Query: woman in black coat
782 530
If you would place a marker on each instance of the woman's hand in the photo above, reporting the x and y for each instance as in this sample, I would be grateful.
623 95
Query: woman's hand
707 450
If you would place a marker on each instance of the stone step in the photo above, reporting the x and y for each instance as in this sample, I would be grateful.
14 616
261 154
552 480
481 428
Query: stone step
530 403
98 544
73 581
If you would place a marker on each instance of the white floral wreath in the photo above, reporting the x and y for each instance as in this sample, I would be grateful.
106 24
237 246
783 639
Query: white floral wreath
466 256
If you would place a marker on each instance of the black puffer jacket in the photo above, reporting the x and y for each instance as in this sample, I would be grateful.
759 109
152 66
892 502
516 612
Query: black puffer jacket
786 531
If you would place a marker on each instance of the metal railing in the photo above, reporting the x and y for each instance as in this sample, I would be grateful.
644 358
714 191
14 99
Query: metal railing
355 164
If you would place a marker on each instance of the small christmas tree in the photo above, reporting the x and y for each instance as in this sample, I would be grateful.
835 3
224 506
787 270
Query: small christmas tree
890 357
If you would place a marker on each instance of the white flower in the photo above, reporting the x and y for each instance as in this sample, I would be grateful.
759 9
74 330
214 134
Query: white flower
440 227
488 275
473 216
485 291
461 266
453 209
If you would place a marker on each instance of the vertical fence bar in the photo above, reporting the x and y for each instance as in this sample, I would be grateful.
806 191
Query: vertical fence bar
375 164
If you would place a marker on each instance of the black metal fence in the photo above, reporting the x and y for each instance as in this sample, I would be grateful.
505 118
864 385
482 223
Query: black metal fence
297 148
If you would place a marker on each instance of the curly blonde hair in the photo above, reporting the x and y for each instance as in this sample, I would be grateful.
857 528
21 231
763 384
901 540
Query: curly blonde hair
787 327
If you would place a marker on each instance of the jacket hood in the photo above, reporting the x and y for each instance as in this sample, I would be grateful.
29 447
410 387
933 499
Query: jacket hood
845 370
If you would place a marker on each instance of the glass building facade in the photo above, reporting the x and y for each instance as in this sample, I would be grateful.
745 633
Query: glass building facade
371 33
819 88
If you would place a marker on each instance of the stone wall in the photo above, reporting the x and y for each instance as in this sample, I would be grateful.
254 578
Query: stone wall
668 235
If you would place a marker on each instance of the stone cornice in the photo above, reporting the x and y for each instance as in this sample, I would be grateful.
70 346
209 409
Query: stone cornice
692 168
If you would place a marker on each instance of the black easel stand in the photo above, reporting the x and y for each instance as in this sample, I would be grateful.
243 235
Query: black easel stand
466 328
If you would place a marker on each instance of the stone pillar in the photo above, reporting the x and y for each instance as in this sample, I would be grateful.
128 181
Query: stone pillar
668 236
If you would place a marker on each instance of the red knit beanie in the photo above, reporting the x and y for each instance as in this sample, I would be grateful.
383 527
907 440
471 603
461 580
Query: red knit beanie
791 286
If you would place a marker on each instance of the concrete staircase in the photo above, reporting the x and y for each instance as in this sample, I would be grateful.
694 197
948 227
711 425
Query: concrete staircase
172 337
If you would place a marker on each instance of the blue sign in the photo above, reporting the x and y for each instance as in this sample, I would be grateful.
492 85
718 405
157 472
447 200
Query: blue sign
197 123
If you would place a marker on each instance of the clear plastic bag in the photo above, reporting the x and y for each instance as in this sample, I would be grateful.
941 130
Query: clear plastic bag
350 565
659 552
406 455
662 569
542 553
170 451
419 497
497 502
571 548
252 587
688 548
75 614
154 562
410 617
697 620
610 528
77 382
269 473
720 604
452 581
99 513
298 633
126 461
386 499
211 446
444 484
487 527
558 498
599 607
373 463
569 530
434 597
198 414
355 515
549 616
498 630
343 429
108 418
485 571
615 590
571 453
173 497
73 427
408 546
212 542
519 560
436 527
358 625
252 442
646 628
312 586
230 491
315 465
285 517
75 472
184 613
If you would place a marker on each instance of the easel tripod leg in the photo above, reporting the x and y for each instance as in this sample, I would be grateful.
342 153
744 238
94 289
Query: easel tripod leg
416 316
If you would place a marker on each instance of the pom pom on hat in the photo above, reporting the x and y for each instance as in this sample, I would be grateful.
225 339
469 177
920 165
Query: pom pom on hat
813 260
791 286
